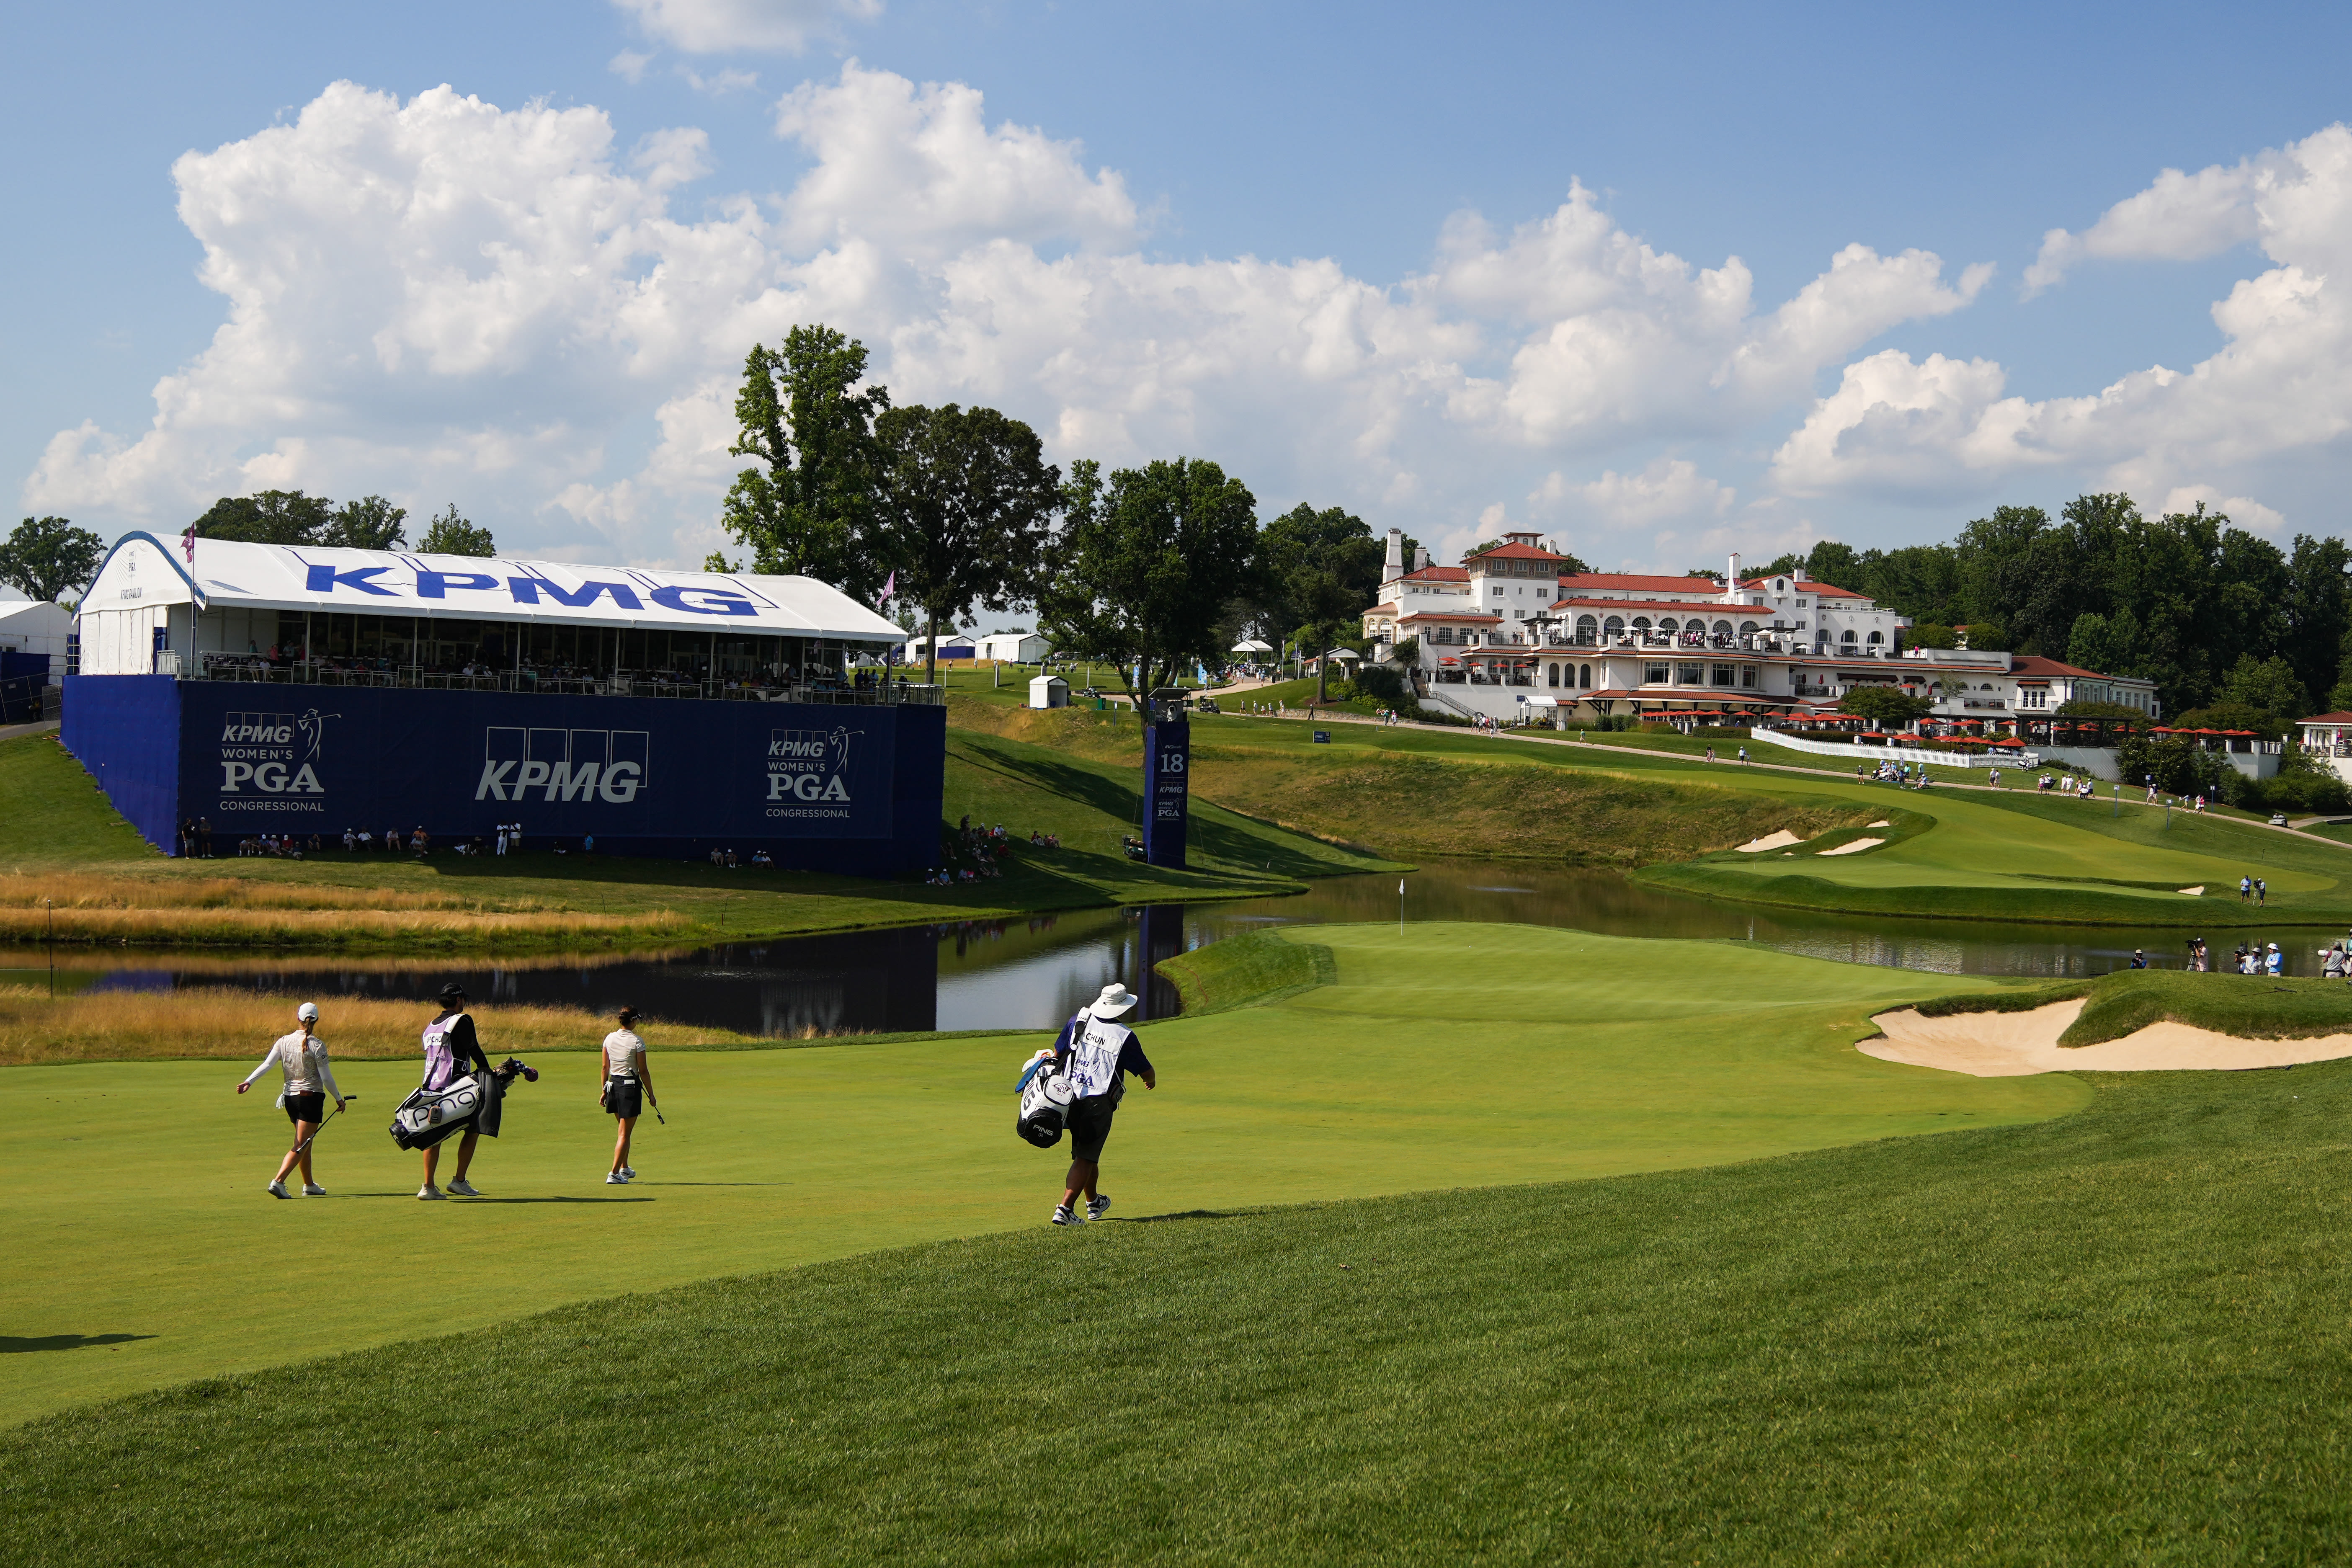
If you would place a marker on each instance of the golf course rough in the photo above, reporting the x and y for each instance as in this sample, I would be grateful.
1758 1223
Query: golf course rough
1451 1055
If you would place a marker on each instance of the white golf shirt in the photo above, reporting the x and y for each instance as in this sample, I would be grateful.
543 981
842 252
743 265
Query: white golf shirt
622 1049
302 1056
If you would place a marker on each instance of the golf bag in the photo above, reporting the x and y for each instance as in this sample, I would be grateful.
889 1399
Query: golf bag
472 1103
1046 1094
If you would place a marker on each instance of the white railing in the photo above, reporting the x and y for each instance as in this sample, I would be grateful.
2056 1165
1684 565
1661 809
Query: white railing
1860 753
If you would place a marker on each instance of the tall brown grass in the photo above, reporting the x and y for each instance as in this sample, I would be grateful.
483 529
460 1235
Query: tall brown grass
329 929
93 890
129 1025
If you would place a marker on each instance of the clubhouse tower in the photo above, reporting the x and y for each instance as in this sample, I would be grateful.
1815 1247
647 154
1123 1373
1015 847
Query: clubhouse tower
272 689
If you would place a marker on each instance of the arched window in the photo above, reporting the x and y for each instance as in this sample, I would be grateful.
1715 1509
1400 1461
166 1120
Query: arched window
1584 676
1641 623
1553 671
1723 628
1666 624
1875 638
1612 625
1747 628
1847 638
1587 627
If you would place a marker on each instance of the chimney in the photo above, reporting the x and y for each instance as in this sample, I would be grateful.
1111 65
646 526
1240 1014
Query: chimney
1392 565
1797 574
1731 581
1421 557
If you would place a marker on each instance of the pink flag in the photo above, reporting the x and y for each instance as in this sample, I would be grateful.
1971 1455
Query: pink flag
188 543
888 588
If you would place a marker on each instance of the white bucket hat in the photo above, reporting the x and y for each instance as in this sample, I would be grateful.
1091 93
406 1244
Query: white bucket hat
1114 999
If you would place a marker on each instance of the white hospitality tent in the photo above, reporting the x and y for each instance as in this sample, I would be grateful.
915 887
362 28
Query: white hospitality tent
399 609
1251 646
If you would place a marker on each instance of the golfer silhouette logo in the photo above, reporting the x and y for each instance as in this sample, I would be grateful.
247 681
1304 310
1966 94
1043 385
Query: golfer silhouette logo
313 725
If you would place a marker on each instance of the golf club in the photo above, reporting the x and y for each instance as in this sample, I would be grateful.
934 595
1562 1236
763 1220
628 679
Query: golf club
657 1105
322 1124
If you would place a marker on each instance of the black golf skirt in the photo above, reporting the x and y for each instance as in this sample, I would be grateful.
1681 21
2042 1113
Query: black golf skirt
624 1097
311 1108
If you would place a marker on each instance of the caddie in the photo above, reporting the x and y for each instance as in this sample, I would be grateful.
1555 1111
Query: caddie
1098 1052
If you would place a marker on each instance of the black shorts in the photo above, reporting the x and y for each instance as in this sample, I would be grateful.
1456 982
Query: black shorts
624 1097
1089 1124
311 1108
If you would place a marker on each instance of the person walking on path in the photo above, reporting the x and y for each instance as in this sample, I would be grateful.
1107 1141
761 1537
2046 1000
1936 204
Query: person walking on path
451 1051
302 1056
1743 756
627 1082
1098 1052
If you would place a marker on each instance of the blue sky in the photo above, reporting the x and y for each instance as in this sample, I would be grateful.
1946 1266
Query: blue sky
1242 232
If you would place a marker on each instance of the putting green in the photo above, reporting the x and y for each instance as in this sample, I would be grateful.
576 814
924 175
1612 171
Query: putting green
143 1251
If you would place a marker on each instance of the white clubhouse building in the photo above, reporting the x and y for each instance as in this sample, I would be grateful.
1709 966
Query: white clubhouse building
1509 629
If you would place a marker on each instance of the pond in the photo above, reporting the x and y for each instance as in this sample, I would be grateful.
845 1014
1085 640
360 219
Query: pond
1032 971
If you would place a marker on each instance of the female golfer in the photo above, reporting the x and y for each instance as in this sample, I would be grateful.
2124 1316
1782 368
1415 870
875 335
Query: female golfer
626 1083
451 1051
302 1056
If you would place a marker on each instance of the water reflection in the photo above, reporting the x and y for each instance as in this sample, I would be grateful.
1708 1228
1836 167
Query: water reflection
1036 971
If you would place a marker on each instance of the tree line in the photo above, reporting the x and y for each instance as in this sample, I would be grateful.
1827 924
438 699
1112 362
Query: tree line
950 510
2224 622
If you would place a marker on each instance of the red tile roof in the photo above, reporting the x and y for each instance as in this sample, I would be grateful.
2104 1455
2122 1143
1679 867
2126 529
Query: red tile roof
1437 574
1809 585
1626 583
2042 668
1512 552
1451 615
2337 717
1658 607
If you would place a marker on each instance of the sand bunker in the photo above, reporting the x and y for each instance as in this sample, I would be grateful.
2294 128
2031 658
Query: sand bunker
1859 844
2196 892
2013 1045
1769 841
1882 824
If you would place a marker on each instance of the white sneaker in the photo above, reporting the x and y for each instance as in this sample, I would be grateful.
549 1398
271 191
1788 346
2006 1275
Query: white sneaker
313 1190
429 1193
1098 1207
615 1179
629 1172
1064 1216
462 1188
278 1190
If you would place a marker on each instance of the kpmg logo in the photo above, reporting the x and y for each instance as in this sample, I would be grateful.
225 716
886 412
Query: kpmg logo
811 765
563 764
273 754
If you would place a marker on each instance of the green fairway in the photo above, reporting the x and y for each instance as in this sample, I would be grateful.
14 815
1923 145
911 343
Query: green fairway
1451 1055
2115 1337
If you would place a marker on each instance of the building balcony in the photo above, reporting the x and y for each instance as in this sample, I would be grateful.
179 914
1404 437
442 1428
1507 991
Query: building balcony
748 687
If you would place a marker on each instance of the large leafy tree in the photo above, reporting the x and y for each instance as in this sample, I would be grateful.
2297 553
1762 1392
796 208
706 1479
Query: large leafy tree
450 535
1318 570
268 517
1885 706
370 523
46 557
1147 560
807 508
963 512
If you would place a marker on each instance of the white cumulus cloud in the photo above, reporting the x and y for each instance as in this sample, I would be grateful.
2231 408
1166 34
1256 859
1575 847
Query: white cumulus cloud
717 27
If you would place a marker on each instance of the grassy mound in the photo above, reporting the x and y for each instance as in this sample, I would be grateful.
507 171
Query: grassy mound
2244 1006
2108 1338
139 1183
1256 967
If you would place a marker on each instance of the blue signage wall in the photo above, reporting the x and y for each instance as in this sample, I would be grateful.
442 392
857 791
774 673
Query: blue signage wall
841 788
1166 790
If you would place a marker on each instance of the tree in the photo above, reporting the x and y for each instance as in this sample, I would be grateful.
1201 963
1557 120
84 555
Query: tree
1321 570
2105 644
1145 560
368 523
1929 634
2320 609
1884 706
809 509
1327 603
46 555
963 511
715 562
2267 685
449 534
270 517
1707 572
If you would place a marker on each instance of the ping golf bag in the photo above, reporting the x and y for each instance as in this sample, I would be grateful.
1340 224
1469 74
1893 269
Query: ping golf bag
469 1103
1045 1093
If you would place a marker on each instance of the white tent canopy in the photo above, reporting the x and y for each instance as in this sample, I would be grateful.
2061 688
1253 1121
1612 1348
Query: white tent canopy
143 572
